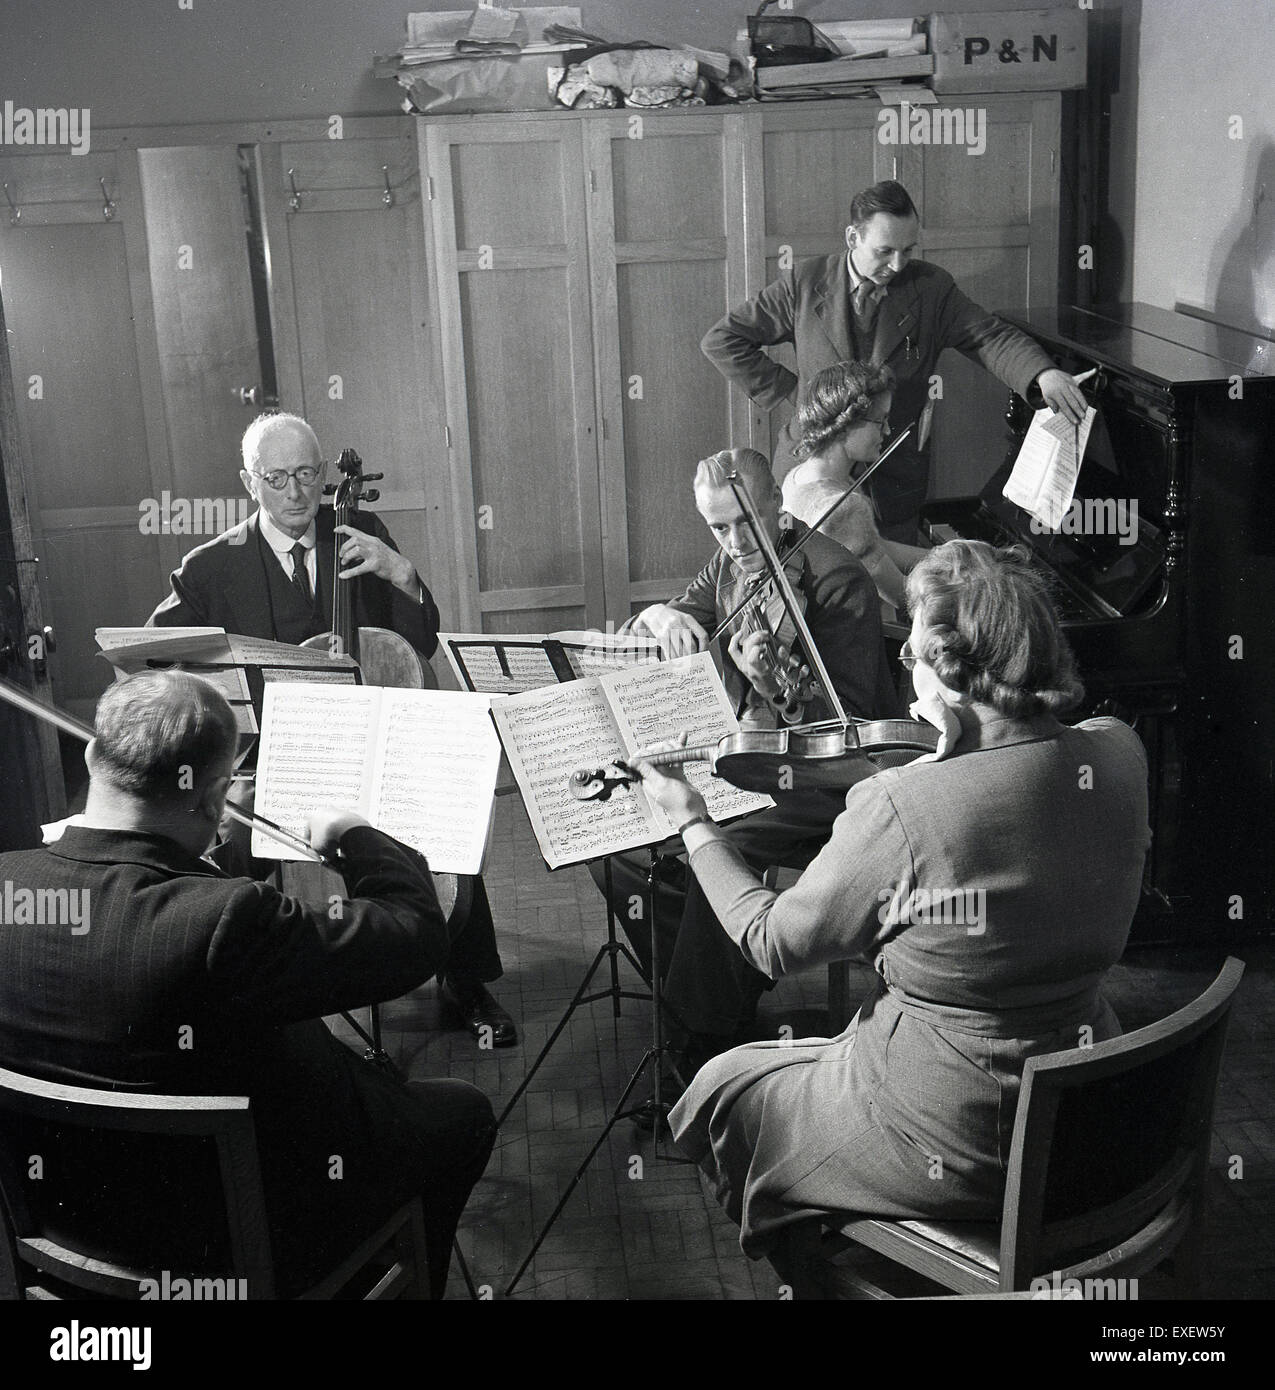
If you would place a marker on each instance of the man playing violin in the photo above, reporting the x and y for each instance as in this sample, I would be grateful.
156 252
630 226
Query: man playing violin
271 577
710 990
185 981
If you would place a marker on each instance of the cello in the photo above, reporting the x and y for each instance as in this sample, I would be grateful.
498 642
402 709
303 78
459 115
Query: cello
386 658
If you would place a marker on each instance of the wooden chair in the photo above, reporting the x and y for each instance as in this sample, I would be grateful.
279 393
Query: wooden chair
1106 1175
210 1143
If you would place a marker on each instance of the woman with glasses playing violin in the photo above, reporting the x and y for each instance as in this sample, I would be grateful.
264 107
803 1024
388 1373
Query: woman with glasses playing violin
993 883
844 424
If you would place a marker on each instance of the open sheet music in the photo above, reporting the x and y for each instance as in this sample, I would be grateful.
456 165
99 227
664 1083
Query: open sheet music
509 664
203 651
222 658
551 732
1043 479
419 764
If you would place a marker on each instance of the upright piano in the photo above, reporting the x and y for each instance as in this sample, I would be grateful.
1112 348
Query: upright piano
1164 574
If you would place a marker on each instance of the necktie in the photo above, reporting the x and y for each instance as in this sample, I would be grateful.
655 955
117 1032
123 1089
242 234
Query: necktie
865 300
301 574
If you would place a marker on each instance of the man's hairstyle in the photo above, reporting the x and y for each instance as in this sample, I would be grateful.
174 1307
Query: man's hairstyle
159 732
752 466
990 629
837 397
265 425
887 196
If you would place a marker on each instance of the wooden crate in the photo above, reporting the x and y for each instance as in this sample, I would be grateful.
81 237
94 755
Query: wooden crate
1010 51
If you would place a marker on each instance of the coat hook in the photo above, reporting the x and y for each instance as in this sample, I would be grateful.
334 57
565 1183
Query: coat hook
108 207
388 196
15 212
295 201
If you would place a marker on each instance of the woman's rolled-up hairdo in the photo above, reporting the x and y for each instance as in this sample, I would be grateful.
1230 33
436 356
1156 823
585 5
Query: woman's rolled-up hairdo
990 629
837 397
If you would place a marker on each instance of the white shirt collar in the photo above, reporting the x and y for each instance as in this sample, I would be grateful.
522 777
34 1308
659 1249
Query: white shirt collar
279 541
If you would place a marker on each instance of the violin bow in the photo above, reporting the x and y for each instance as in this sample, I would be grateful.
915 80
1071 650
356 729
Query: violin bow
740 488
799 545
21 699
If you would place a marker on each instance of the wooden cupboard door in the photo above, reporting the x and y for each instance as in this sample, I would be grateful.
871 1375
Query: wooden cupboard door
89 405
197 237
805 164
666 252
991 220
33 788
510 250
349 310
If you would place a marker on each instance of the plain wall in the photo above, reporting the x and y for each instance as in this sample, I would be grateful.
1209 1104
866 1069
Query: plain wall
1205 229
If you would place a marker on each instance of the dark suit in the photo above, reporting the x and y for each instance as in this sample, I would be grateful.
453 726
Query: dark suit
188 982
922 313
235 581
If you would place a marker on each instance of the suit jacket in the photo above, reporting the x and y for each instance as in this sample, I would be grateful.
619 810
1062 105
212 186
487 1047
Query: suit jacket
234 581
923 313
189 982
842 612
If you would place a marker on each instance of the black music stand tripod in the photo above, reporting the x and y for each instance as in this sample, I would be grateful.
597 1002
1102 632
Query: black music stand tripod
610 950
652 1057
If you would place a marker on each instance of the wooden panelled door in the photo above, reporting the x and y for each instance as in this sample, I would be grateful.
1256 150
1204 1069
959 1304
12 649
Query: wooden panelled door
666 252
344 227
509 247
127 279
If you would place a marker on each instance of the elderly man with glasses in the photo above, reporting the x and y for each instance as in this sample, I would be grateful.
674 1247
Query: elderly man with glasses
271 576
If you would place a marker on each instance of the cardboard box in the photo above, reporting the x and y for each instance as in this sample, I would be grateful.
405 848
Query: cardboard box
1009 51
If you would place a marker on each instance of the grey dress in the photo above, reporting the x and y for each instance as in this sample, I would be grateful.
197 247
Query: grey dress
995 887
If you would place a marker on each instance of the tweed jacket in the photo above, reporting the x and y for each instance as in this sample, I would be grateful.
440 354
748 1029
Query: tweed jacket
842 612
922 313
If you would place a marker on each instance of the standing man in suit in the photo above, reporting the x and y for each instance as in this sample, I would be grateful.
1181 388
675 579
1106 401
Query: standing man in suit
877 304
271 577
179 980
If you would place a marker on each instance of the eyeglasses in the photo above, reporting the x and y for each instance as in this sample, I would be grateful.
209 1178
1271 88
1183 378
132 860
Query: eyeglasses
278 479
907 656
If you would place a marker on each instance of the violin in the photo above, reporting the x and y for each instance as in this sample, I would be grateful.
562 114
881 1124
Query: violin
830 756
794 685
386 658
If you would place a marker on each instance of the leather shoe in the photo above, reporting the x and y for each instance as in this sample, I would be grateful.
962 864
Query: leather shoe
479 1012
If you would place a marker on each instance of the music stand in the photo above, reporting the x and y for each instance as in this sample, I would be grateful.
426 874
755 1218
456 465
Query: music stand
653 1056
610 950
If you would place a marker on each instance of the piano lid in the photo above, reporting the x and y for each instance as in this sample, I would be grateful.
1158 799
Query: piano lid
1168 348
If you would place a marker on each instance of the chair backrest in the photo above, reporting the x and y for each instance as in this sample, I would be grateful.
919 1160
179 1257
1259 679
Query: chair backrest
1109 1136
103 1190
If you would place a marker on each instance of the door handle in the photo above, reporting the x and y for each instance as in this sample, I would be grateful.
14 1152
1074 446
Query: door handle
254 395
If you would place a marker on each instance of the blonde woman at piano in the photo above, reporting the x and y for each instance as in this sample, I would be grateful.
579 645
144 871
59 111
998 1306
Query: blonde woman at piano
843 423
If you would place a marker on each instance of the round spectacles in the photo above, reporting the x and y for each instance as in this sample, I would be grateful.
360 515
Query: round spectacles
278 479
907 656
